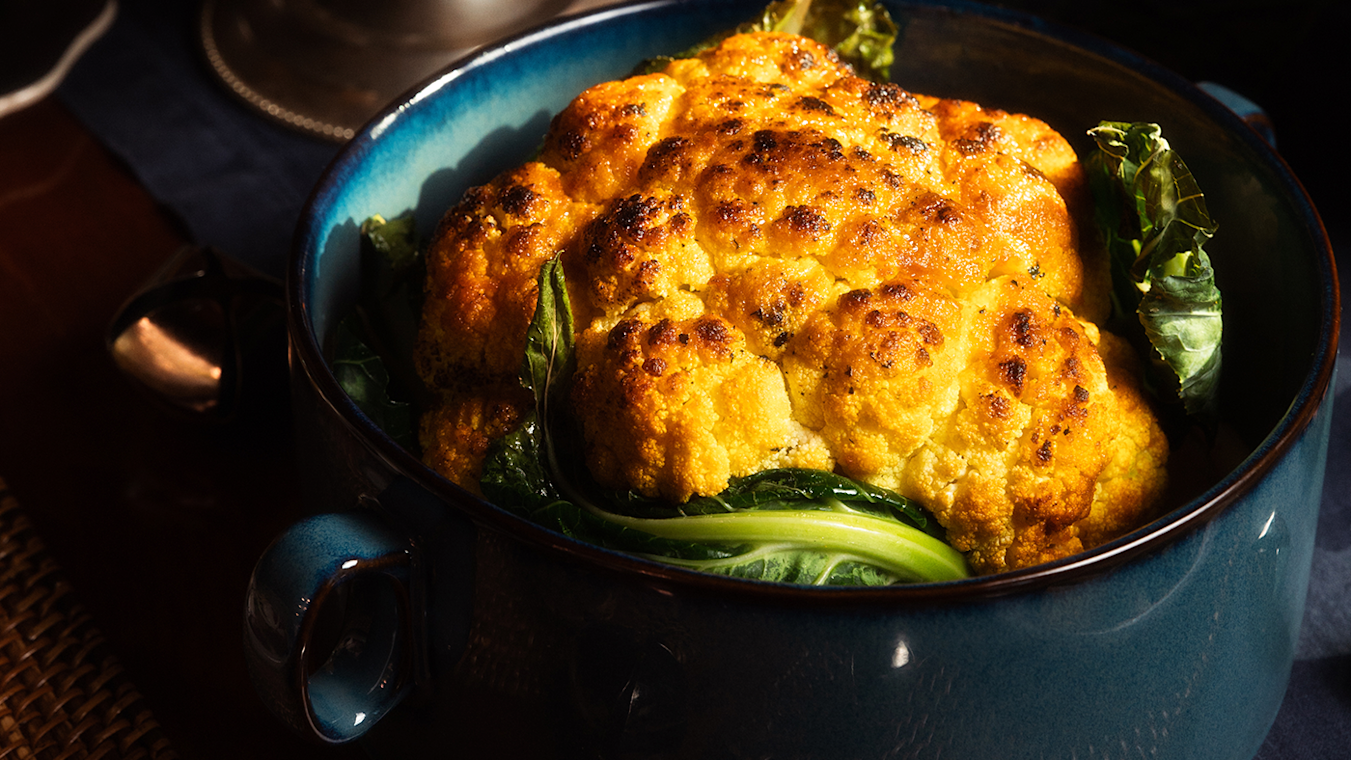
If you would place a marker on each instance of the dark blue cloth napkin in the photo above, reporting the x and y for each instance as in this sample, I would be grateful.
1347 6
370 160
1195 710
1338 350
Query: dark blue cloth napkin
238 182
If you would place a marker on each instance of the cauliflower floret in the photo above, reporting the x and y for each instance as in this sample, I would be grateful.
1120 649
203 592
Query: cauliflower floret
482 268
877 373
642 249
773 262
458 428
677 407
1016 468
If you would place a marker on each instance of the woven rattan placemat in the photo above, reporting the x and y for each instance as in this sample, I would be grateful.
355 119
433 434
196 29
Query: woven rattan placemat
62 692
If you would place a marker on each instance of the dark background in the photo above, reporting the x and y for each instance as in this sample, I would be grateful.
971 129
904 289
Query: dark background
1291 58
119 506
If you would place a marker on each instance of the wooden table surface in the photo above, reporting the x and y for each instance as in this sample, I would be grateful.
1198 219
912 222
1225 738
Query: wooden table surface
156 521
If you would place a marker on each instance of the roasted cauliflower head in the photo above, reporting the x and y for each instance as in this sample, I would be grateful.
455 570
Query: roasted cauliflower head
773 262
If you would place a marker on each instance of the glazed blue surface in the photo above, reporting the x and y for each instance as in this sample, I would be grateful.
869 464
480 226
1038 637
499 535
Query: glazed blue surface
1183 655
1175 641
294 577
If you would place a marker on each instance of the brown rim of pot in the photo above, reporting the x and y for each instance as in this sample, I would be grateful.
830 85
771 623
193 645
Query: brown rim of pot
1160 533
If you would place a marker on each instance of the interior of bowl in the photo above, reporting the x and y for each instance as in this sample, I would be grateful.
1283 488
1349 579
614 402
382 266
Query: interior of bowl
490 112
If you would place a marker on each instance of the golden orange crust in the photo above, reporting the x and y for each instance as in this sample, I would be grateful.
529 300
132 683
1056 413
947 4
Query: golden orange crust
1034 432
641 249
773 262
876 373
481 271
676 407
456 431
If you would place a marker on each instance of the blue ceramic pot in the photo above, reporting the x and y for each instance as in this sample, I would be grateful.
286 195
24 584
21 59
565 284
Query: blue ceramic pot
430 623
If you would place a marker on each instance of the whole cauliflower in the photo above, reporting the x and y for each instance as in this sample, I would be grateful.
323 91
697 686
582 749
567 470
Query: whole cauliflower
774 263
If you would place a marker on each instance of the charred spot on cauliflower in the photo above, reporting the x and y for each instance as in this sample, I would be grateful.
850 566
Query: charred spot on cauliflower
773 262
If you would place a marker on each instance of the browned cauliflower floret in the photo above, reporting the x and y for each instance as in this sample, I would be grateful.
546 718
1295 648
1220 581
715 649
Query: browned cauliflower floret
877 373
481 274
773 262
457 430
676 407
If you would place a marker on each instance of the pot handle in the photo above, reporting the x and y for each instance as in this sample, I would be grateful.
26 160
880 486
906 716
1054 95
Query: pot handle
329 629
1251 113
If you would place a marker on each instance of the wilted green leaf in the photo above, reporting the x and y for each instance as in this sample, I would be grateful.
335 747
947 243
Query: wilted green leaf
861 32
1154 219
363 377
